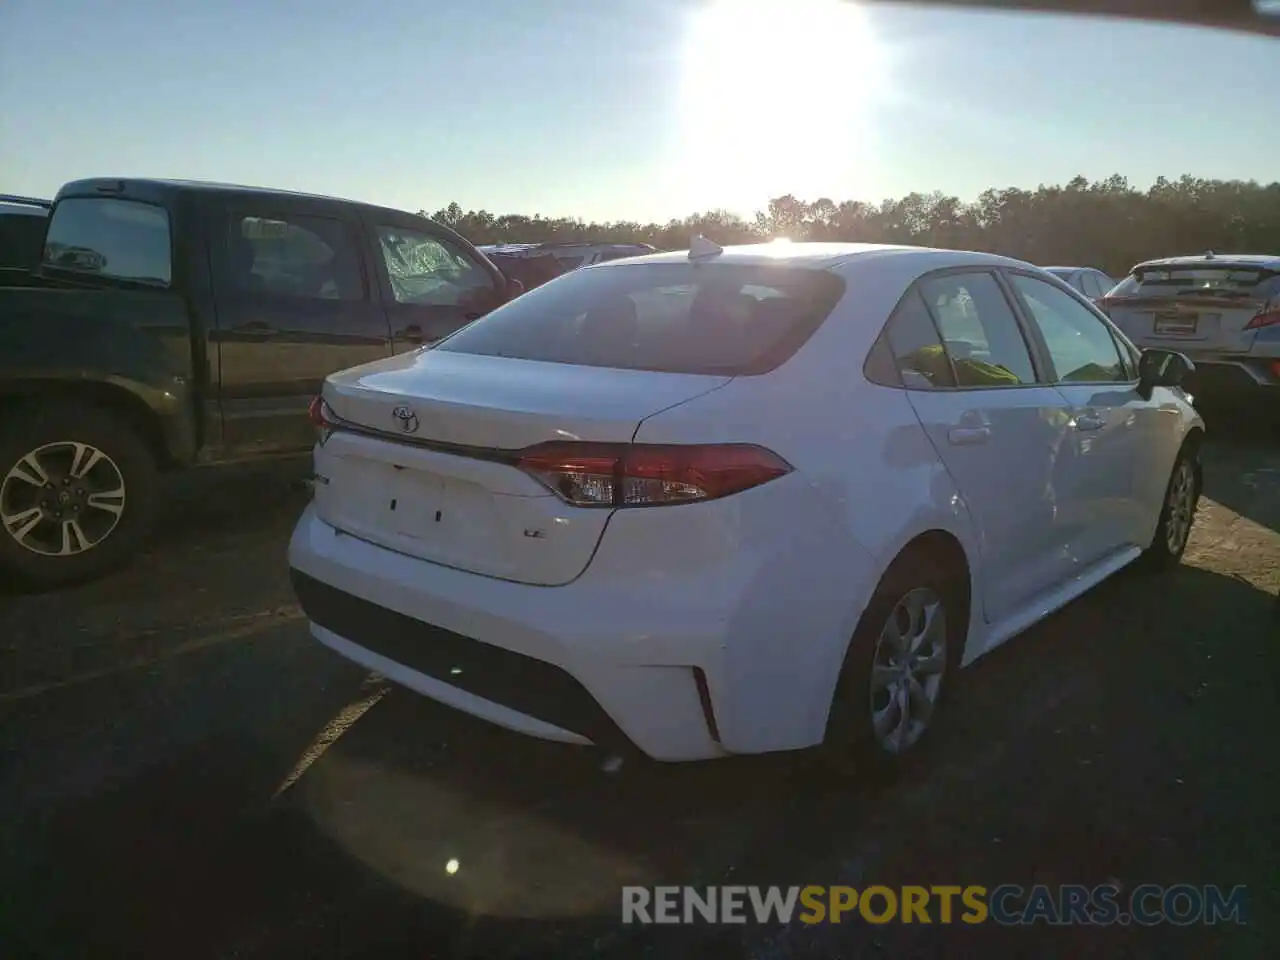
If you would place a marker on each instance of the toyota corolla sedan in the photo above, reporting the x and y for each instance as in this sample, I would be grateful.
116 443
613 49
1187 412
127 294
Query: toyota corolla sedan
739 500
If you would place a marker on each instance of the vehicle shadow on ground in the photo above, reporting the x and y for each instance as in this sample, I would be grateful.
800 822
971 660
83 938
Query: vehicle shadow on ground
1242 460
422 832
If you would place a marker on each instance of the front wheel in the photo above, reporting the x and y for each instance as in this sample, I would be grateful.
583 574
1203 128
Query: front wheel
77 494
1178 513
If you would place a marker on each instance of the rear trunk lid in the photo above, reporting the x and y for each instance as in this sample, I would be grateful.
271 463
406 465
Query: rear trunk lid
423 462
1198 307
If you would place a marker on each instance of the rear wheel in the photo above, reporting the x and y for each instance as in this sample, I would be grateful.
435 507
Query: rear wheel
900 665
77 494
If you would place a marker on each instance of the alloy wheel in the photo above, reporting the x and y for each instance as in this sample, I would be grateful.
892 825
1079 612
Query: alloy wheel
908 669
1181 507
62 499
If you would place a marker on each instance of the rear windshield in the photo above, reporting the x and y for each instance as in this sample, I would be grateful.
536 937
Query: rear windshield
1226 279
120 239
713 318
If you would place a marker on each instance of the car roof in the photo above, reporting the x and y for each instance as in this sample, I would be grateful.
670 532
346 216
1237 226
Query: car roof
30 206
23 209
828 256
1271 261
159 188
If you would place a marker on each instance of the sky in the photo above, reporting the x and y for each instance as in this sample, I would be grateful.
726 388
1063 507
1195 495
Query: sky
619 109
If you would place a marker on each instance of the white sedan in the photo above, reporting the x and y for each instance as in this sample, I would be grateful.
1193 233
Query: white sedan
740 500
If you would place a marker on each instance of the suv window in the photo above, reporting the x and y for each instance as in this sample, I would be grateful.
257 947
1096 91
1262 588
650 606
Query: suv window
979 330
668 317
120 239
21 237
1080 345
431 271
314 258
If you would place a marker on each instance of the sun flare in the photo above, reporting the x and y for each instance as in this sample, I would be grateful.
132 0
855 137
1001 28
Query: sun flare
774 98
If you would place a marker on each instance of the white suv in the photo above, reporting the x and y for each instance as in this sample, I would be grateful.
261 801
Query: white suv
1223 311
739 500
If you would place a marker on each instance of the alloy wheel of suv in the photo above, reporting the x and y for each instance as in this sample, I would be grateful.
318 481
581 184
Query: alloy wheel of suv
78 487
62 498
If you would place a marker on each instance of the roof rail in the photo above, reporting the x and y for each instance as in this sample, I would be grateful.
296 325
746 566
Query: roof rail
592 243
30 201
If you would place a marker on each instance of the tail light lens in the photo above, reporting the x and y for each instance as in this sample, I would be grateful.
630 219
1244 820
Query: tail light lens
648 475
1268 318
318 413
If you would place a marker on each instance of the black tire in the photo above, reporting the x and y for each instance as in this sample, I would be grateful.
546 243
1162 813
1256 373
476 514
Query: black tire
851 745
1165 551
44 427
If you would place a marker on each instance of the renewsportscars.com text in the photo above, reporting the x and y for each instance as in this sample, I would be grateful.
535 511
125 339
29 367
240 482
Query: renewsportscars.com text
1007 905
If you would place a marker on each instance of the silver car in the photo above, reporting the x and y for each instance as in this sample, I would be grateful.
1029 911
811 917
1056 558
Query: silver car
1093 283
1223 311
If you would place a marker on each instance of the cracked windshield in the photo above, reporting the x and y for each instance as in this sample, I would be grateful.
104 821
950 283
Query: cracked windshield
650 478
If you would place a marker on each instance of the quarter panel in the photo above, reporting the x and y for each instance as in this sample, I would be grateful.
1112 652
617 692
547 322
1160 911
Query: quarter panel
867 481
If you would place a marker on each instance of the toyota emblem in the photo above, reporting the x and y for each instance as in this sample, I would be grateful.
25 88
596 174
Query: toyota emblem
407 419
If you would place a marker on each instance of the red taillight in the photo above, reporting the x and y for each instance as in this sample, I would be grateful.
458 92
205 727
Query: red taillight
646 475
1268 318
316 414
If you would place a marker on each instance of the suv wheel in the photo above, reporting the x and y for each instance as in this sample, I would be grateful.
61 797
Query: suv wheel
77 494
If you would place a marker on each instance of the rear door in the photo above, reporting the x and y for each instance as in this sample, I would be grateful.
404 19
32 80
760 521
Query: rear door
1199 307
431 283
294 304
997 425
1108 462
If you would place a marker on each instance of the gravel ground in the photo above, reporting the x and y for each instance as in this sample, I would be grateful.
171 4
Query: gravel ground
184 773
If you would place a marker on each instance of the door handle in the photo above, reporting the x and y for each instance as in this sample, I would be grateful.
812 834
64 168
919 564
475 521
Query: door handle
1087 422
965 436
413 334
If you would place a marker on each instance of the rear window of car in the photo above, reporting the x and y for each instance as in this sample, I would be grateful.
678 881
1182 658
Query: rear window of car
114 238
531 271
1181 281
697 318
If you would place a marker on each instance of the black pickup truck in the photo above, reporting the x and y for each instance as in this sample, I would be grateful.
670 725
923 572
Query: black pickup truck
174 323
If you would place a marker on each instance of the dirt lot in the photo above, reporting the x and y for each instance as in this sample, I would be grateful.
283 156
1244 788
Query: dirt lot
185 774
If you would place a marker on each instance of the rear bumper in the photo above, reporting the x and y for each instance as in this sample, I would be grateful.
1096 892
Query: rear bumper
527 687
689 670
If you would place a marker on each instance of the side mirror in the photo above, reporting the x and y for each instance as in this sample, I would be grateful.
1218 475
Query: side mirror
1162 368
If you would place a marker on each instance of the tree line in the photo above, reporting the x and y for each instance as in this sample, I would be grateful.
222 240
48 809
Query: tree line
1108 223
